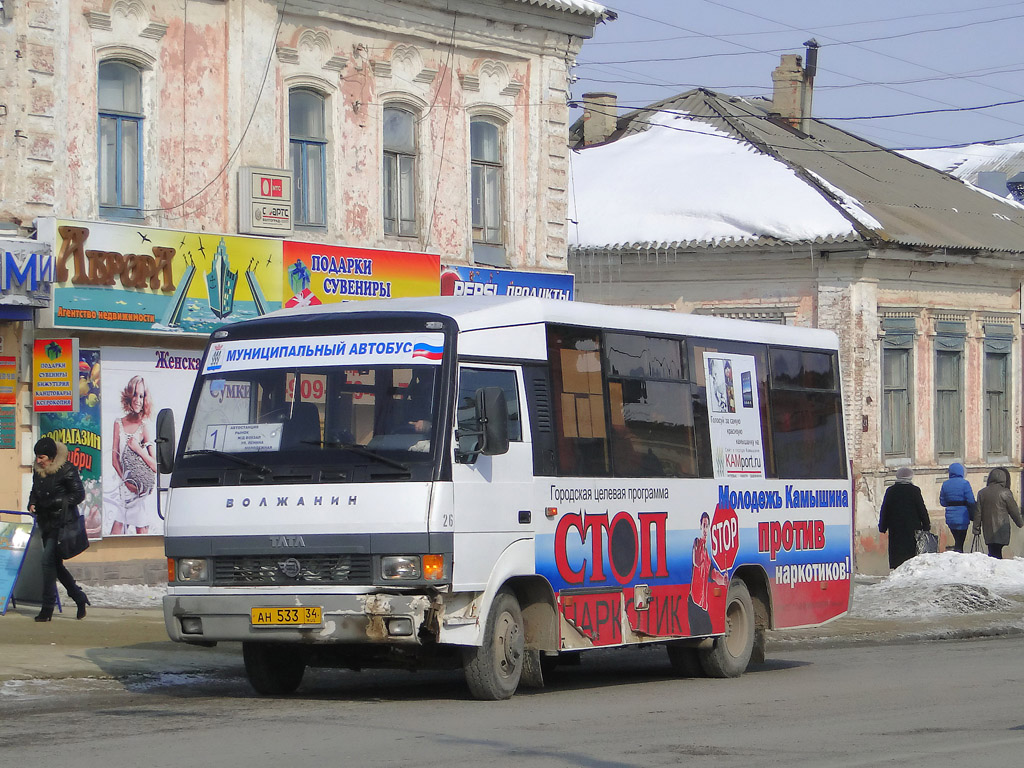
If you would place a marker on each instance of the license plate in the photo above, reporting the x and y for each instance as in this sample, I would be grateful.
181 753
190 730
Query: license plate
303 616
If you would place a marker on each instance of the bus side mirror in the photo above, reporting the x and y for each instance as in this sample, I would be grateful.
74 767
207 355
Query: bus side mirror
165 440
492 416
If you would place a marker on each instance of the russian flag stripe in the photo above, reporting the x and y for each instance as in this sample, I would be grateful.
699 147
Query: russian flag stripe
428 351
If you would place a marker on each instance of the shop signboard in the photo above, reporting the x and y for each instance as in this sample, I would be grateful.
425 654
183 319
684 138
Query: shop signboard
80 432
8 380
118 277
26 269
8 427
478 281
325 274
55 375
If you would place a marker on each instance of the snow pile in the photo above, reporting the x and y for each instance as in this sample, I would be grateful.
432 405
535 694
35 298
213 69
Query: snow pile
125 595
945 584
684 180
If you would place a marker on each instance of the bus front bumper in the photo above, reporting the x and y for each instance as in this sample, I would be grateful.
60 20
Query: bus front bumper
357 619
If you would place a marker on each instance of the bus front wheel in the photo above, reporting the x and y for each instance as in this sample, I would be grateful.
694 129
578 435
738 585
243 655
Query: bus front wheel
493 669
273 670
729 654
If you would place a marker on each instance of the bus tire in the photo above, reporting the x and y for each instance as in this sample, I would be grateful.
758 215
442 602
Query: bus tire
493 669
729 654
273 670
684 659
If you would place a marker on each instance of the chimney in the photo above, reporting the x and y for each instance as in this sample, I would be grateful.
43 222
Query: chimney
794 87
600 115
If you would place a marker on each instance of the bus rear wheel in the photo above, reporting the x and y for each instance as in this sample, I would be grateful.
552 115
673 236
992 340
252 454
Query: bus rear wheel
273 670
729 654
493 669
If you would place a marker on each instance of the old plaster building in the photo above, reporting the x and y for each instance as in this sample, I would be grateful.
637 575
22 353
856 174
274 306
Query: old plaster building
144 142
751 209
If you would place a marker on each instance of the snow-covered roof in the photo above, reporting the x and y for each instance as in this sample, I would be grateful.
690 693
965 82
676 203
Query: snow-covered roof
686 181
706 169
573 6
967 162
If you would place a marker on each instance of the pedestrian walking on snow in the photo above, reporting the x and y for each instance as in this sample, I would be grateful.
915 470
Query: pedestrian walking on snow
996 506
902 515
957 496
56 487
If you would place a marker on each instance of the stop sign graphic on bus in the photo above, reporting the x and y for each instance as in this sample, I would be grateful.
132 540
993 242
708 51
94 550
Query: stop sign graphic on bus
725 537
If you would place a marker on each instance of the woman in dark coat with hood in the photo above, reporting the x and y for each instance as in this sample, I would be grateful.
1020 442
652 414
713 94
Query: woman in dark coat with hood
996 506
56 486
902 515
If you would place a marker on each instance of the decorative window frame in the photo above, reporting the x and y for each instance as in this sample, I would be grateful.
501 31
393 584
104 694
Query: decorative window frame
503 118
146 63
410 102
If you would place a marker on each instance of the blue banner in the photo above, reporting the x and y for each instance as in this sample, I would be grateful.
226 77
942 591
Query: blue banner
476 281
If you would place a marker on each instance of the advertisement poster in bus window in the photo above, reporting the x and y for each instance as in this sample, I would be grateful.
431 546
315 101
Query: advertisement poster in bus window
734 415
315 273
80 432
137 384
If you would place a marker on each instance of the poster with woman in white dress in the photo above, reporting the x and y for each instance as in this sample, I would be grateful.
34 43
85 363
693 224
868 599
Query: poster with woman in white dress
138 383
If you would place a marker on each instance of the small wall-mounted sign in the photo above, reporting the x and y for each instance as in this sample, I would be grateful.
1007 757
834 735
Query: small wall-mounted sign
265 202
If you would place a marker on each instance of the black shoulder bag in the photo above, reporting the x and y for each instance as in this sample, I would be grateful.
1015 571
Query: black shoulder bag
72 539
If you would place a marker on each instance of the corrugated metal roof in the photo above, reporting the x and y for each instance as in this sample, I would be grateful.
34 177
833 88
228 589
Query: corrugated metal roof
585 7
915 204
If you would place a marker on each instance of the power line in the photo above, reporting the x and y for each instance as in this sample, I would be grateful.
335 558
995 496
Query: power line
818 27
241 139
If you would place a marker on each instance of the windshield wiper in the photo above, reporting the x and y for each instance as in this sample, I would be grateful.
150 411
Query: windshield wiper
362 450
261 469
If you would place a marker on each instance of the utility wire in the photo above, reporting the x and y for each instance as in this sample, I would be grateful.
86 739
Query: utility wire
241 139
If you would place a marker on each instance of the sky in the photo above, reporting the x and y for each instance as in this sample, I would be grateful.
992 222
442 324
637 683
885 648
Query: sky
876 58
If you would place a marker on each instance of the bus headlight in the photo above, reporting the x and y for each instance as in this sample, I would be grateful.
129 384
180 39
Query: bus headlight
193 569
400 567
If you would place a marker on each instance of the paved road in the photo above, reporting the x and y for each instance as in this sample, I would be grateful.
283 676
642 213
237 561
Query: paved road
951 703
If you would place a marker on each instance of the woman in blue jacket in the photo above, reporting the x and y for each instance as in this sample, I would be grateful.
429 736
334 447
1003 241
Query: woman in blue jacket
958 499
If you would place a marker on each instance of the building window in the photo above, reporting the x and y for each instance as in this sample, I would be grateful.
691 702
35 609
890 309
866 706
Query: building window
998 345
949 401
897 421
399 172
120 138
486 154
308 137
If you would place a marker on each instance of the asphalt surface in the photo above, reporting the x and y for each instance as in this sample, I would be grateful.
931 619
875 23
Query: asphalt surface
117 643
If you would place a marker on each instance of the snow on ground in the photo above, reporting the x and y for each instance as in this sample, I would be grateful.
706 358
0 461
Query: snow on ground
124 595
927 586
946 584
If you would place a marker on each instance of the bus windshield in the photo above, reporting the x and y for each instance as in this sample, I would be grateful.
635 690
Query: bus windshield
344 410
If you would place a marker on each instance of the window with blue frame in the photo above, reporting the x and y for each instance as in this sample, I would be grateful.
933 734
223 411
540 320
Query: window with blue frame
308 137
399 171
120 138
487 171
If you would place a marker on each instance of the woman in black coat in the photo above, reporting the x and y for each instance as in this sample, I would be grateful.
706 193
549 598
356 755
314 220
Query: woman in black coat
903 514
56 486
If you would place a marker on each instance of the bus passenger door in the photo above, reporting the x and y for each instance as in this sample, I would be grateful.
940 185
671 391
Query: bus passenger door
492 494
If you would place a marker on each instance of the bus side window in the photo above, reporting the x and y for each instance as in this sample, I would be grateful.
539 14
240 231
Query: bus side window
807 414
471 380
578 400
652 427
